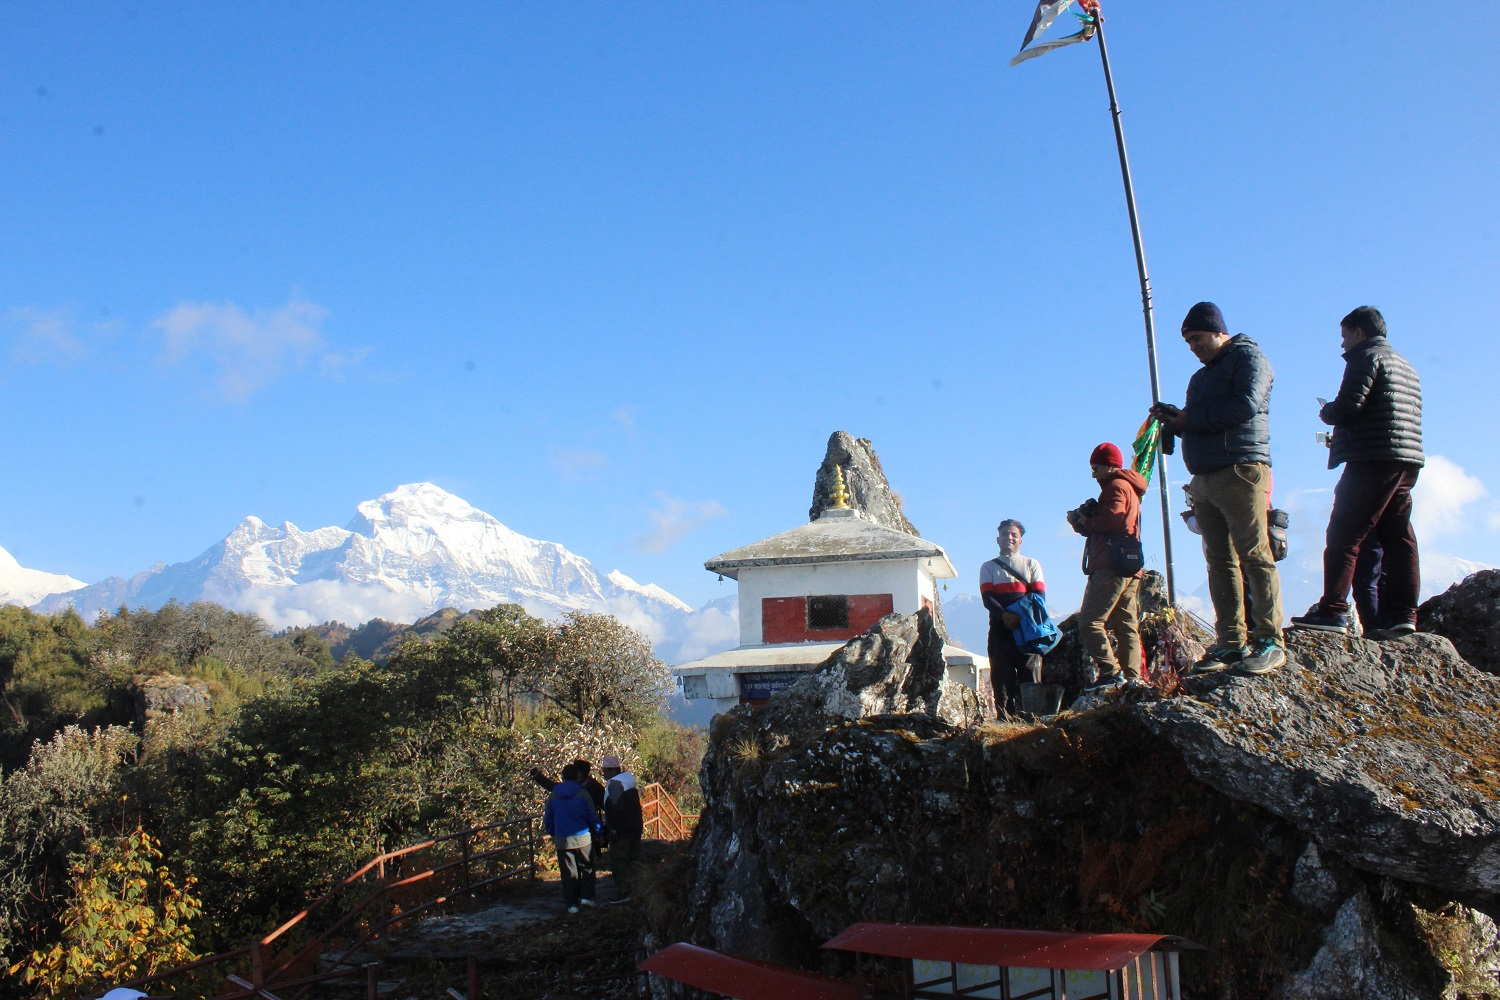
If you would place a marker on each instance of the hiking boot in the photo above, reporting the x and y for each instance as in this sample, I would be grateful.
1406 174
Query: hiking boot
572 909
1220 658
1318 619
1104 681
588 902
1400 630
1265 656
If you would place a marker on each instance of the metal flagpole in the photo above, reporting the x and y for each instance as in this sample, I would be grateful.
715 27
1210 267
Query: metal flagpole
1140 263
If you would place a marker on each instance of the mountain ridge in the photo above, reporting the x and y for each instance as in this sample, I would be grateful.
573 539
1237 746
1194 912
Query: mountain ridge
403 556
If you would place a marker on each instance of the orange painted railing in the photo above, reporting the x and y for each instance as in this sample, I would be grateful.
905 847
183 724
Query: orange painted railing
661 818
390 889
386 891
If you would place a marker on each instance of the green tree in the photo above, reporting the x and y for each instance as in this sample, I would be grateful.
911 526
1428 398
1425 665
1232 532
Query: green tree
311 647
46 678
509 647
304 785
600 669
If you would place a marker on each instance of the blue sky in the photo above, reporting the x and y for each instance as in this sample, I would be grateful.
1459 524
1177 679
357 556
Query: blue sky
614 273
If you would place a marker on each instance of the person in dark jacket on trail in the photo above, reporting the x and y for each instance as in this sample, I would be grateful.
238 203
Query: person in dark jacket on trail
1003 581
1377 421
583 769
572 823
623 824
1111 601
1225 426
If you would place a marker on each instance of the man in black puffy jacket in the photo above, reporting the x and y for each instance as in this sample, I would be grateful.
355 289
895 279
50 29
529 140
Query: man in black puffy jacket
1377 417
1225 425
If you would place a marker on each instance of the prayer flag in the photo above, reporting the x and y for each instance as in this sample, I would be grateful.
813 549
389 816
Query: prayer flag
1047 12
1147 444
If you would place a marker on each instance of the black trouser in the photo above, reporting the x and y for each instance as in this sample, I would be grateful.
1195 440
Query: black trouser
1006 664
1374 498
623 854
576 866
1367 582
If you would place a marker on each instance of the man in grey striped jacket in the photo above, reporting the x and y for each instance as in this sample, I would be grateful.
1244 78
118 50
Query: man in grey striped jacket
1377 417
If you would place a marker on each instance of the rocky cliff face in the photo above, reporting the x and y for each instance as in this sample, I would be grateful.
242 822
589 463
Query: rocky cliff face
869 491
1468 614
1323 831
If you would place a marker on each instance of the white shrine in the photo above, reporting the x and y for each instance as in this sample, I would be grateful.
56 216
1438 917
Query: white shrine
806 592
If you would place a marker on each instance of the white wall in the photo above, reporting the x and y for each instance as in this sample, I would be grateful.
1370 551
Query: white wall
906 580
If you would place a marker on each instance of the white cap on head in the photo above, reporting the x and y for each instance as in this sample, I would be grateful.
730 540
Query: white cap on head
123 993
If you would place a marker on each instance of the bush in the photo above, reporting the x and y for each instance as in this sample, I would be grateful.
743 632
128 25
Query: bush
125 917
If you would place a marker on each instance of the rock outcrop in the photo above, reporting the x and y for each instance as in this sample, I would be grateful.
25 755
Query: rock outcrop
1468 615
869 491
1320 830
157 695
1387 754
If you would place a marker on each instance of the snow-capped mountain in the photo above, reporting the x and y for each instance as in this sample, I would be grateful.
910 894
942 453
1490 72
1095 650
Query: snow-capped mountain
404 555
19 585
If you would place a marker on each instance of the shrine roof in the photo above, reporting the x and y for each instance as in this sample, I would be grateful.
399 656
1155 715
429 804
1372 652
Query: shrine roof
836 536
1002 947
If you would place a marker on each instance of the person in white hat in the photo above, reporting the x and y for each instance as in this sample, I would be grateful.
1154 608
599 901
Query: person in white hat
622 824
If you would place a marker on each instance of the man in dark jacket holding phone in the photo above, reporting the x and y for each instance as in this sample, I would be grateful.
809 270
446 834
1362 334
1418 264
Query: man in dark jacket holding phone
1225 426
1377 420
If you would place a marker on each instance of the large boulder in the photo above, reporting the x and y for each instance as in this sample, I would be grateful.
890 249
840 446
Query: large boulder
1468 615
1387 754
896 667
1320 830
864 479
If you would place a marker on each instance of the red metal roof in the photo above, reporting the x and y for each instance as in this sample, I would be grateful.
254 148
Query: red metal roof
997 946
744 978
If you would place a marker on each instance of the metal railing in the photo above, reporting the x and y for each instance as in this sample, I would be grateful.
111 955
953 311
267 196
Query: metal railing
386 891
661 819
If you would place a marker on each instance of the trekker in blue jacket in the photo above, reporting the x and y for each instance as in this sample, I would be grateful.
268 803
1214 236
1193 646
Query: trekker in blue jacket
572 823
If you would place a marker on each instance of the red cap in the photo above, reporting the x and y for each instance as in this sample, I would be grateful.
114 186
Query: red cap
1107 454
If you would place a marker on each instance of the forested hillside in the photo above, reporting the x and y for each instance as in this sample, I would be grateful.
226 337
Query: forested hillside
175 781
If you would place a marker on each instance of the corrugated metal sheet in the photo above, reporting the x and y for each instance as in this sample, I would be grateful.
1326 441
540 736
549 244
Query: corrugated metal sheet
997 946
743 978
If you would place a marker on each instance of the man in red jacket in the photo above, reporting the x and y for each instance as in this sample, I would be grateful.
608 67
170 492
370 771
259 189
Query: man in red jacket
1111 600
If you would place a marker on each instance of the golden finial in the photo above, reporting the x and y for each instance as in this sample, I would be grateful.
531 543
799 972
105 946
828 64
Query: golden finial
840 495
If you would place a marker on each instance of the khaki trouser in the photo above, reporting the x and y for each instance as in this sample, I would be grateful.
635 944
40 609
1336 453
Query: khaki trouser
1230 505
1110 604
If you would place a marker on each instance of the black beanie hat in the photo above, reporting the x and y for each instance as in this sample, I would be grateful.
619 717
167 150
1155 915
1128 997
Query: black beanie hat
1204 316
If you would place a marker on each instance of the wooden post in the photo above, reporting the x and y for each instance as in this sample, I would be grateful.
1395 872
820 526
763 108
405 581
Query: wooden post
371 984
468 871
257 964
473 978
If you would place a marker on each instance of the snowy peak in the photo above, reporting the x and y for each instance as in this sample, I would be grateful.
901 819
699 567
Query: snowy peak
651 590
416 504
20 585
405 554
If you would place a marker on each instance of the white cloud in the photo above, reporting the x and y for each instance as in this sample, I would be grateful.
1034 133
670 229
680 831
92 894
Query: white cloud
573 464
1441 571
43 335
674 520
242 353
624 415
709 630
1442 494
334 364
318 601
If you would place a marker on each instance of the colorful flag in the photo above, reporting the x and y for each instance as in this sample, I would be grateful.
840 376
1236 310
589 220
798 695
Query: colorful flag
1147 445
1047 12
